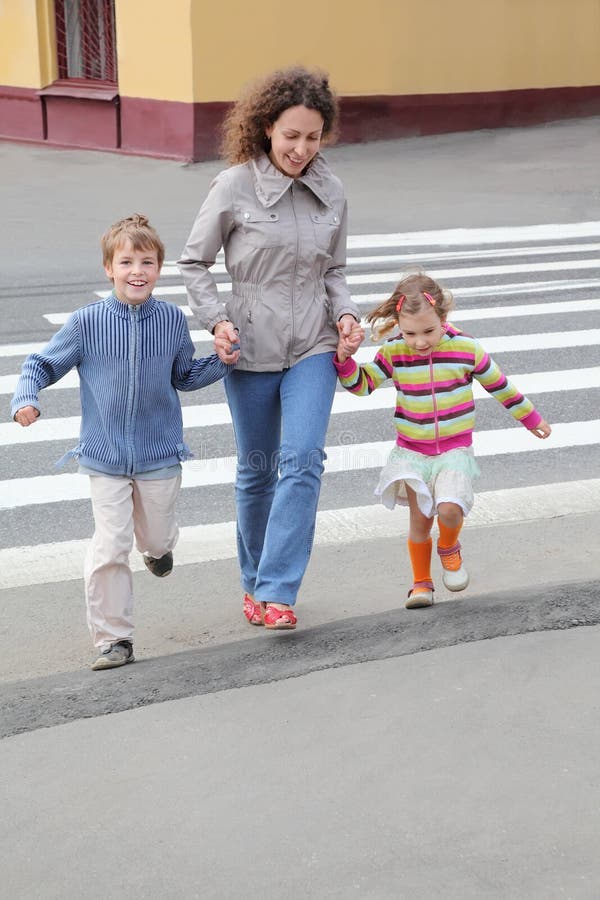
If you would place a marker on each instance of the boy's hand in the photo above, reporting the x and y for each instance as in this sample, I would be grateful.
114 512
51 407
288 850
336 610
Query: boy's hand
227 342
26 416
543 430
349 342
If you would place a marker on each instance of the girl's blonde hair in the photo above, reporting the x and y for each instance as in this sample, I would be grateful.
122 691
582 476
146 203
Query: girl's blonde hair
411 293
138 230
263 102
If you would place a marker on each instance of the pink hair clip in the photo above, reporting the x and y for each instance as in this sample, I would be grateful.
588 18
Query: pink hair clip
402 298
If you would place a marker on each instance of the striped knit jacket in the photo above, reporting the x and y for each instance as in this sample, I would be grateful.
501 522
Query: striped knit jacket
131 360
435 410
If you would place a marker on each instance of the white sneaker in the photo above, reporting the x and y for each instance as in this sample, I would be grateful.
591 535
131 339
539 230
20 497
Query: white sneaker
420 595
454 574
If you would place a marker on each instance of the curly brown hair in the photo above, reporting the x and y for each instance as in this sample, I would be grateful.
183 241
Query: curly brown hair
264 101
412 288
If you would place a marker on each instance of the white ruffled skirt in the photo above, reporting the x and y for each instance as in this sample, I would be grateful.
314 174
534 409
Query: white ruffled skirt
447 478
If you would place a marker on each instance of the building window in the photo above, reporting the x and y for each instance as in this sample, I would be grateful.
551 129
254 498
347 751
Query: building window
85 40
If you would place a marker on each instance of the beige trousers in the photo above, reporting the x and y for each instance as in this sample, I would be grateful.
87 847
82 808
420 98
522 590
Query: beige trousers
124 507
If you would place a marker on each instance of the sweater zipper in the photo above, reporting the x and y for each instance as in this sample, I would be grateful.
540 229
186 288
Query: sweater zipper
133 342
435 410
291 344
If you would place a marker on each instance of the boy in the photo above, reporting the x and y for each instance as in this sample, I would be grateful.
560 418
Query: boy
133 353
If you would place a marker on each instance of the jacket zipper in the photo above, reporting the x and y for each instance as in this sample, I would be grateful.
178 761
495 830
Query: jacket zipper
435 410
291 344
133 341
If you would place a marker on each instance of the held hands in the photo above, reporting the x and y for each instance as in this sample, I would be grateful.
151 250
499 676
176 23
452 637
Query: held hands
351 335
26 416
543 430
227 346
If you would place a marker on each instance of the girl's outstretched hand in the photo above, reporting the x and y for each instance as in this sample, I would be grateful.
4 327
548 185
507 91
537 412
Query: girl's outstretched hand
543 430
349 341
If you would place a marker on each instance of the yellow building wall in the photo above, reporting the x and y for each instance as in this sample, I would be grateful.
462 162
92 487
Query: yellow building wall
203 51
404 46
155 47
27 43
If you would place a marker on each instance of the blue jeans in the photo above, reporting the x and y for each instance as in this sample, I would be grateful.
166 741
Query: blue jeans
280 421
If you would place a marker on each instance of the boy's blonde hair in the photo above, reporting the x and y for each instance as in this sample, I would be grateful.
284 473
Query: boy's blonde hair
136 229
411 291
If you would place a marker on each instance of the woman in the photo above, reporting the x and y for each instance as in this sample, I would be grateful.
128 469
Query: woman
280 216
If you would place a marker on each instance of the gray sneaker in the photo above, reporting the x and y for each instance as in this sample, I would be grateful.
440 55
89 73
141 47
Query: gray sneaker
160 567
118 654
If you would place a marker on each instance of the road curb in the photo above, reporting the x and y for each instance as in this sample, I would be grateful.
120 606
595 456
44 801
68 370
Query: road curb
45 702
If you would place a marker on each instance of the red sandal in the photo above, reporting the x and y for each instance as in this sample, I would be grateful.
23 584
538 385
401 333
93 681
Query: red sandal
253 611
275 618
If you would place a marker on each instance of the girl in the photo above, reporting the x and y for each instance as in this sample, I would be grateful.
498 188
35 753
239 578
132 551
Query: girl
280 215
432 466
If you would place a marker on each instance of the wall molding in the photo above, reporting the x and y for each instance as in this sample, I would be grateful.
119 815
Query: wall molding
97 118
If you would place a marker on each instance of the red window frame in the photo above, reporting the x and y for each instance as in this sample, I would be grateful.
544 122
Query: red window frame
96 46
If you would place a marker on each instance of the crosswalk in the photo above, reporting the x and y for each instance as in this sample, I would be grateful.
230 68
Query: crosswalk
530 294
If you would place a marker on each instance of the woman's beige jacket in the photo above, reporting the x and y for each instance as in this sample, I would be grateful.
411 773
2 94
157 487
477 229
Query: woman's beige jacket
285 250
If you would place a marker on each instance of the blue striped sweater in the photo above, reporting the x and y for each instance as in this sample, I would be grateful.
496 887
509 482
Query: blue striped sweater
131 360
435 409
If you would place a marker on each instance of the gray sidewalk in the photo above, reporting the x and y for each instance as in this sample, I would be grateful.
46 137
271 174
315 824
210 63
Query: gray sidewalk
376 753
465 772
197 611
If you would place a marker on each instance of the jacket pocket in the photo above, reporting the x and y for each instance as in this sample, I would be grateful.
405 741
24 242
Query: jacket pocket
245 299
326 226
261 228
329 312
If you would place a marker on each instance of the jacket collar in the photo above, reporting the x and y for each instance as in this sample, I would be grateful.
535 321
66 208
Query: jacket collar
270 184
122 310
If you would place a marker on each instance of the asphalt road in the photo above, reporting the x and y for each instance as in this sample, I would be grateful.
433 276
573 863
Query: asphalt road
375 753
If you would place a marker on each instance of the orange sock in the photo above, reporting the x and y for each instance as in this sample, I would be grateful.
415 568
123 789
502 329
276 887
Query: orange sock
420 559
448 536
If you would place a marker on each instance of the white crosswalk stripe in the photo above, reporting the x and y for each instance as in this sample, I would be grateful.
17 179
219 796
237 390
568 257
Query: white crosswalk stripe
458 315
470 237
211 414
171 269
494 345
346 458
509 262
208 543
446 275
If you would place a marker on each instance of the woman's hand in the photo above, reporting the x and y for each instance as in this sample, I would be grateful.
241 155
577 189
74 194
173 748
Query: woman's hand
227 346
350 341
346 323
